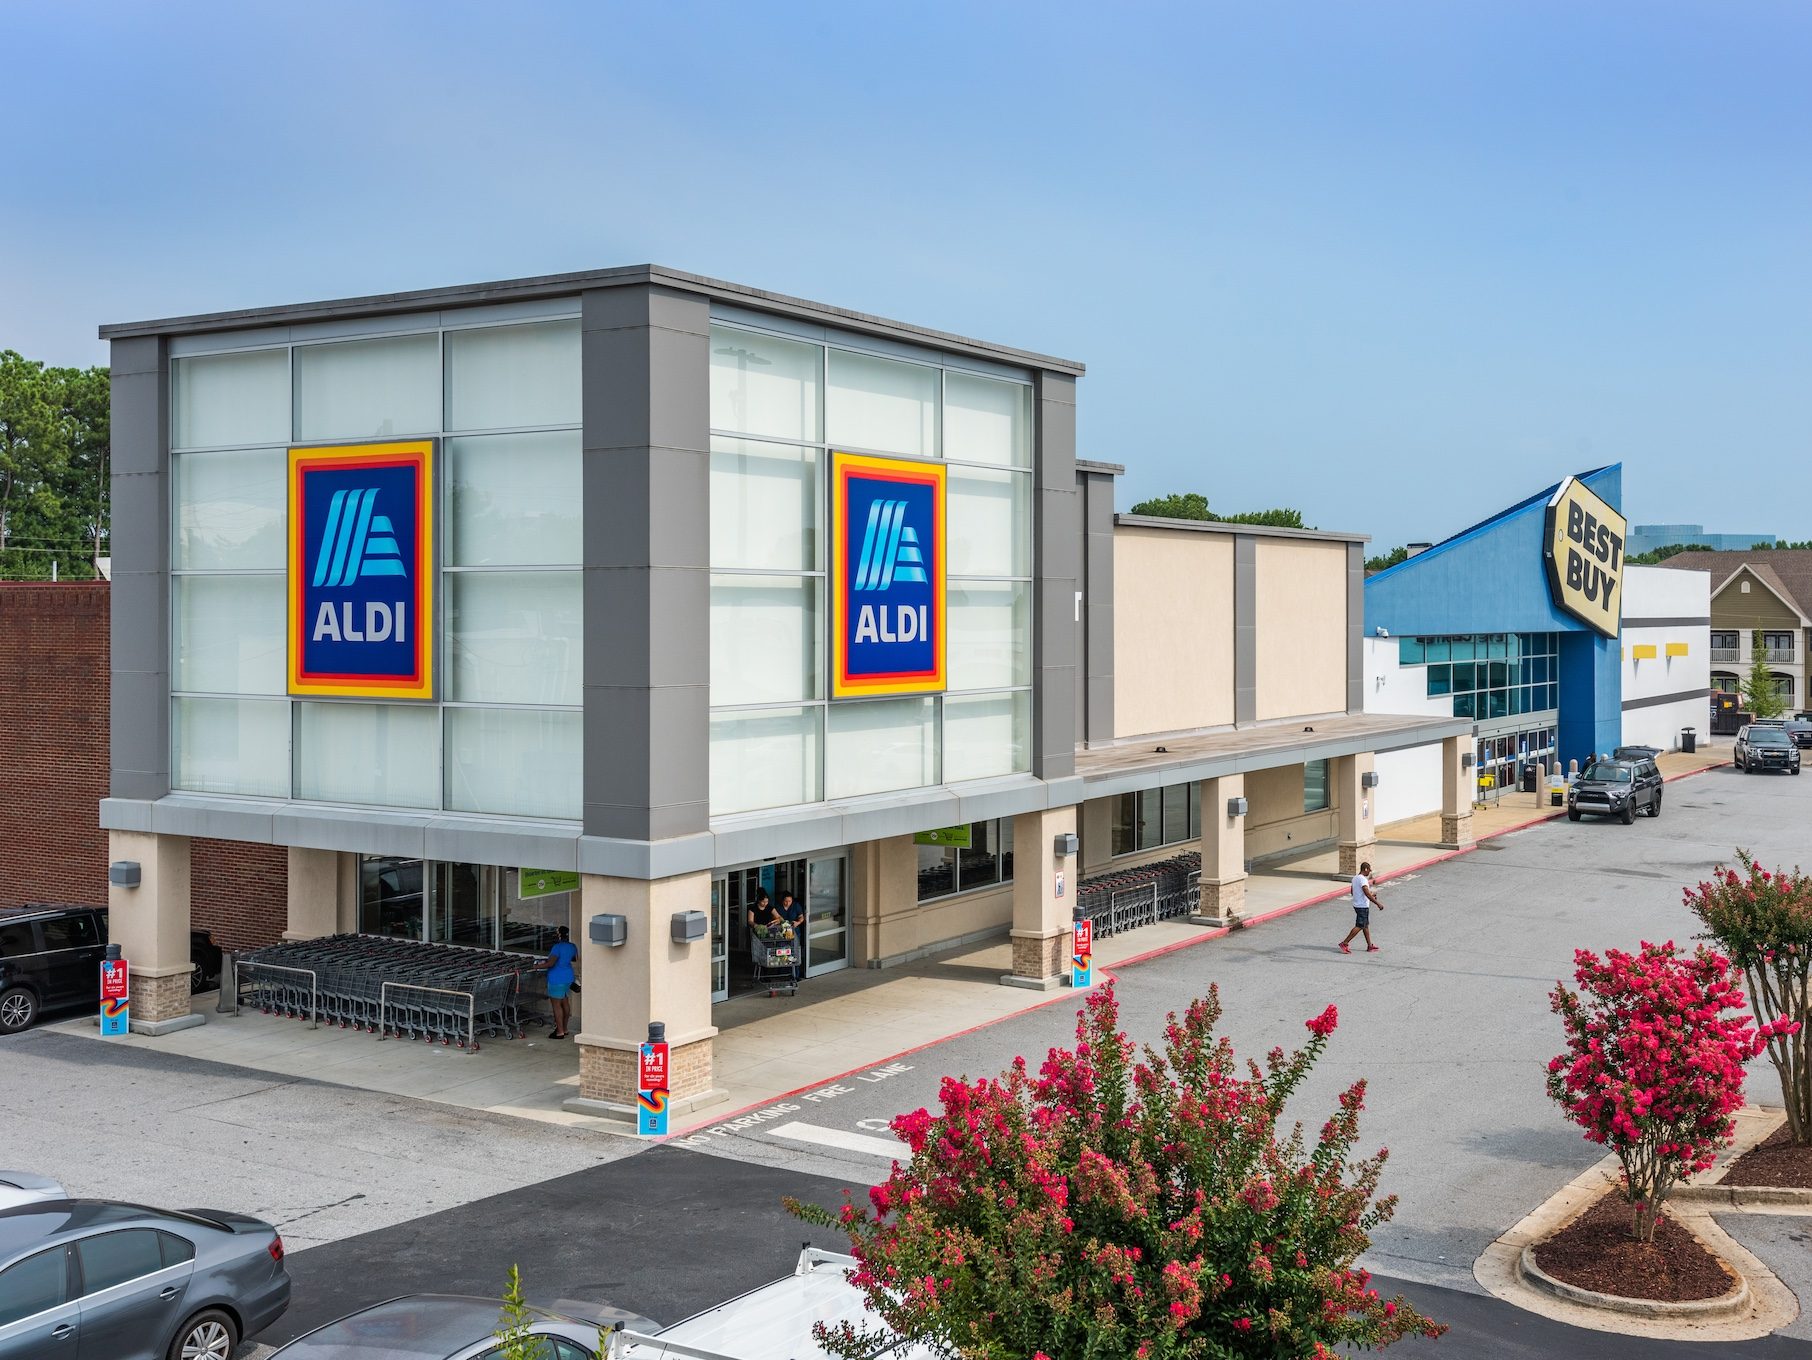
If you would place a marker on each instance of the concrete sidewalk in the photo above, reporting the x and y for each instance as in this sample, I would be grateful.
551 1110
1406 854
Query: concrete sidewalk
770 1047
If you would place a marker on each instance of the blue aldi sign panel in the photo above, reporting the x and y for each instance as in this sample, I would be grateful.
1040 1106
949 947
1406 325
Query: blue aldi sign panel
887 576
361 570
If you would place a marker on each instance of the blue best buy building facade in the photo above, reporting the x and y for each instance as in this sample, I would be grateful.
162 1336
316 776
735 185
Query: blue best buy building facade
1517 619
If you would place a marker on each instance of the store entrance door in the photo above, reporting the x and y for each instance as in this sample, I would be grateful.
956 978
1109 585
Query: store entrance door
820 883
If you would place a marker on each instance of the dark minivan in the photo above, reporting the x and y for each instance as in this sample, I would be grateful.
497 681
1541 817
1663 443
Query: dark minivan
50 956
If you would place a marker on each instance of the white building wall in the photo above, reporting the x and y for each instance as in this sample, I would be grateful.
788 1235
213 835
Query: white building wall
1409 782
1662 693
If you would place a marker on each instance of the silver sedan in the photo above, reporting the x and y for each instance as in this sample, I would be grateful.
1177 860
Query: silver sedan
452 1327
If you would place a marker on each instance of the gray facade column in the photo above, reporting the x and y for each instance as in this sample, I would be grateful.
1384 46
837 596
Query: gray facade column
139 608
1057 572
1245 630
1355 627
1098 608
646 491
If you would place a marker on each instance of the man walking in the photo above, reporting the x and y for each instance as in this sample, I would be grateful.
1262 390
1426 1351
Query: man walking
1364 899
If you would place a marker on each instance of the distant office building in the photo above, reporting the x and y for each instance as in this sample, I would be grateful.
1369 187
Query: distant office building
1646 538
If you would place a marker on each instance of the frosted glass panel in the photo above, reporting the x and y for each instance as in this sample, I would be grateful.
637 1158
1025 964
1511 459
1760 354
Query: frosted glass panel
230 746
229 511
513 375
516 637
874 747
513 761
363 389
514 500
881 404
229 634
763 385
987 421
764 639
764 759
219 399
990 635
987 735
382 754
764 505
990 523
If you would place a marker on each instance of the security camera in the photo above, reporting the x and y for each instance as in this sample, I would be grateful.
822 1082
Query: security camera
1382 632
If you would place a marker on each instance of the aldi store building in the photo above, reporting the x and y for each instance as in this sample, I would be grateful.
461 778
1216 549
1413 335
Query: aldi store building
635 594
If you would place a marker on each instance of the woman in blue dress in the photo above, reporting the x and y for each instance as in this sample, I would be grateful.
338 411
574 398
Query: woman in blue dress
559 965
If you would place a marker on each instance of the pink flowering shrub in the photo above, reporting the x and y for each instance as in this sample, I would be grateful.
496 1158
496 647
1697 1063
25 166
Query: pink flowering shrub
1111 1206
1762 919
1653 1068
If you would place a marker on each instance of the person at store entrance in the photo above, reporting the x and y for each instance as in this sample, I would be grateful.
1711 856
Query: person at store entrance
559 965
793 914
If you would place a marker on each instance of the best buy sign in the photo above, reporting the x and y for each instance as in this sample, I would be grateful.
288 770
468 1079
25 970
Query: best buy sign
1582 548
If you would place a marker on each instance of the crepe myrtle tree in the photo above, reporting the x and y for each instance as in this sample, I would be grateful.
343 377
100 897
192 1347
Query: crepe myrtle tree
1762 919
1653 1067
1118 1207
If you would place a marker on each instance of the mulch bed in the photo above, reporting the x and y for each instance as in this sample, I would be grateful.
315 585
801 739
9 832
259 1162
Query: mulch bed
1773 1161
1595 1251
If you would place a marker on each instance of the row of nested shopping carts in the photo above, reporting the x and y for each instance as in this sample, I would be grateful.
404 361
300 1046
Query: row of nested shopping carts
1129 898
397 989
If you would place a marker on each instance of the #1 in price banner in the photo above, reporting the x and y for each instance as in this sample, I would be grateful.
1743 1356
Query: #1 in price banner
1082 970
651 1091
116 997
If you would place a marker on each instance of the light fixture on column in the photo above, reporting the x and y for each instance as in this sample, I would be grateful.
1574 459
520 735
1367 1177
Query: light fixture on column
1368 780
1065 845
123 873
1466 759
609 930
1236 807
689 926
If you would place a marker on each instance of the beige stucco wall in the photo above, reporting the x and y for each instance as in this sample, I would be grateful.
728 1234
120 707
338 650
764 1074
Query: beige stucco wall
1275 821
1173 630
889 924
1300 616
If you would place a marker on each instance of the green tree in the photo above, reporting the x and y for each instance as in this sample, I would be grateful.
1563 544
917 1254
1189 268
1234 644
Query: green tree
1655 555
54 468
1194 505
1389 559
1760 696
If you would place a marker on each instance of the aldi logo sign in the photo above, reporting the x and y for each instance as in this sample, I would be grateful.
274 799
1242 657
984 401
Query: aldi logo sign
361 570
887 576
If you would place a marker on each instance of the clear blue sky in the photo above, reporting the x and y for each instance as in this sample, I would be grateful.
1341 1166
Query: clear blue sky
1396 264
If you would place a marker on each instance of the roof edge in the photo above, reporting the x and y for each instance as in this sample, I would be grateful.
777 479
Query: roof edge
1221 526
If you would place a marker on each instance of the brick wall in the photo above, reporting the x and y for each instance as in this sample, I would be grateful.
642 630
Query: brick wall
53 772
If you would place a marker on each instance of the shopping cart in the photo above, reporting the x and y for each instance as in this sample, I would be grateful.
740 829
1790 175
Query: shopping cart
775 957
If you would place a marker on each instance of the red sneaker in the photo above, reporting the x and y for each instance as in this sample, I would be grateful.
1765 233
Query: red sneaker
1343 949
1371 949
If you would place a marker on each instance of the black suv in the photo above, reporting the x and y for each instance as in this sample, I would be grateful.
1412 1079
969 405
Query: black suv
50 956
1615 788
1765 748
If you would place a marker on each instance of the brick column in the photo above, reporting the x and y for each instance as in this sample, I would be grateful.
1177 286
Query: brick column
1042 919
1456 793
1223 880
314 894
150 924
648 977
1353 809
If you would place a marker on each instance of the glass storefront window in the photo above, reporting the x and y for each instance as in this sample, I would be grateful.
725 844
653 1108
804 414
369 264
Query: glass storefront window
881 745
1195 810
520 762
229 511
500 377
887 405
217 400
765 639
987 421
228 634
763 385
531 926
765 505
764 758
1176 813
1315 786
515 637
463 909
368 389
393 897
988 622
514 500
987 735
990 522
383 755
235 746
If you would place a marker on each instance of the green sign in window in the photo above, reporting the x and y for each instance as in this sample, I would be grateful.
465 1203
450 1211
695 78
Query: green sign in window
944 835
544 882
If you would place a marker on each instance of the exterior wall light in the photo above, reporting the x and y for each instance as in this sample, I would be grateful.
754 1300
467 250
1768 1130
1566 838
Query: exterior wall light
1065 845
609 930
1368 780
1236 807
1466 759
689 926
123 873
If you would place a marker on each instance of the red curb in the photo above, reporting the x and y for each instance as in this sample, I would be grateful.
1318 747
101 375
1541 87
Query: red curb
1213 933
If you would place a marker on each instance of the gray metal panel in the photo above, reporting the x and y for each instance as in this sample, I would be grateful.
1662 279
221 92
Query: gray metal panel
1245 629
125 814
365 833
1355 628
1656 700
645 859
139 597
1056 569
528 846
1098 609
795 328
1005 798
1667 623
224 819
739 846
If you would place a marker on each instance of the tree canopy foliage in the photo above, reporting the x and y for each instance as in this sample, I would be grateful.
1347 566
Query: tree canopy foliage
1661 554
1389 559
1194 505
54 468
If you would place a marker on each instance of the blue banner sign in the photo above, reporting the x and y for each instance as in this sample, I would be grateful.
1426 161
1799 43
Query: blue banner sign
887 576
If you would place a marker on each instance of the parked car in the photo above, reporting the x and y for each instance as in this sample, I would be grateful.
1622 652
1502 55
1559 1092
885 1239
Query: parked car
1765 748
452 1327
50 956
1615 788
26 1187
81 1277
1800 731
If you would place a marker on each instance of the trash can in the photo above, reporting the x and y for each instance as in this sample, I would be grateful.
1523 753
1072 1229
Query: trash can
1689 739
1530 776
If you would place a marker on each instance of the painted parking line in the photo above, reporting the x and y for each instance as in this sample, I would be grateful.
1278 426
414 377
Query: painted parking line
890 1148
